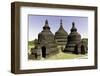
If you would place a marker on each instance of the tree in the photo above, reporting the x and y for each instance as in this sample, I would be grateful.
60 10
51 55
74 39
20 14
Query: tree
35 42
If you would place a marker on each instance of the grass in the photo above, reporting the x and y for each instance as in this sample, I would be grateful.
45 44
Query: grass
62 55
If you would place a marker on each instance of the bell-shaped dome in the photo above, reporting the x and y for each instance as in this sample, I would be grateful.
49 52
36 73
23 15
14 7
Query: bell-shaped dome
61 35
61 30
45 34
73 38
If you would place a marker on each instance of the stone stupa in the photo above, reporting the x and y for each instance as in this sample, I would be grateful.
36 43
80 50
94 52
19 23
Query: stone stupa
61 36
74 42
46 44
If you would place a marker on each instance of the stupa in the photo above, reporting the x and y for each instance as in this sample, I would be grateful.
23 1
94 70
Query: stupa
46 44
61 36
74 42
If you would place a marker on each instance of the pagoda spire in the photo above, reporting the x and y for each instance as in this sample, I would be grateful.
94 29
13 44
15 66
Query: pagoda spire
61 30
46 26
61 35
73 29
73 24
46 21
61 22
61 25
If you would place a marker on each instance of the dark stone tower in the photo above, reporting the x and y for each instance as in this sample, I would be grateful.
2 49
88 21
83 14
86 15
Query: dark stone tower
73 38
46 41
61 36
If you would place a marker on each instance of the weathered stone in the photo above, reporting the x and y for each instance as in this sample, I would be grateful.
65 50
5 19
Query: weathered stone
61 36
46 44
74 43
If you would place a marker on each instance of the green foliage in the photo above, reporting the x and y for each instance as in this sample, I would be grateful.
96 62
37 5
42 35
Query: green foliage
33 44
30 43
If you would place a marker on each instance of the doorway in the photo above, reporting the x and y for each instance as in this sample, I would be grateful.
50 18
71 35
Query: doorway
44 52
82 49
76 50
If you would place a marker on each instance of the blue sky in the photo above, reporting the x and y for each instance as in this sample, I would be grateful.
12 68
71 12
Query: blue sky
36 22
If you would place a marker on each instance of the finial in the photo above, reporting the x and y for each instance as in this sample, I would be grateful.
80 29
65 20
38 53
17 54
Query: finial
46 22
61 22
73 29
46 26
73 24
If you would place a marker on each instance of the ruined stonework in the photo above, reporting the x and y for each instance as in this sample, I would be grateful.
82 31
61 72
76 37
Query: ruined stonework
46 44
74 42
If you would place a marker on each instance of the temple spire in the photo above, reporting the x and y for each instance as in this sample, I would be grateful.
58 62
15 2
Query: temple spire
61 25
61 35
73 24
73 29
46 26
61 22
61 30
46 22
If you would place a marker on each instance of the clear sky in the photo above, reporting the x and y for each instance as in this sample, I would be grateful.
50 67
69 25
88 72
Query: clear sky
36 23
